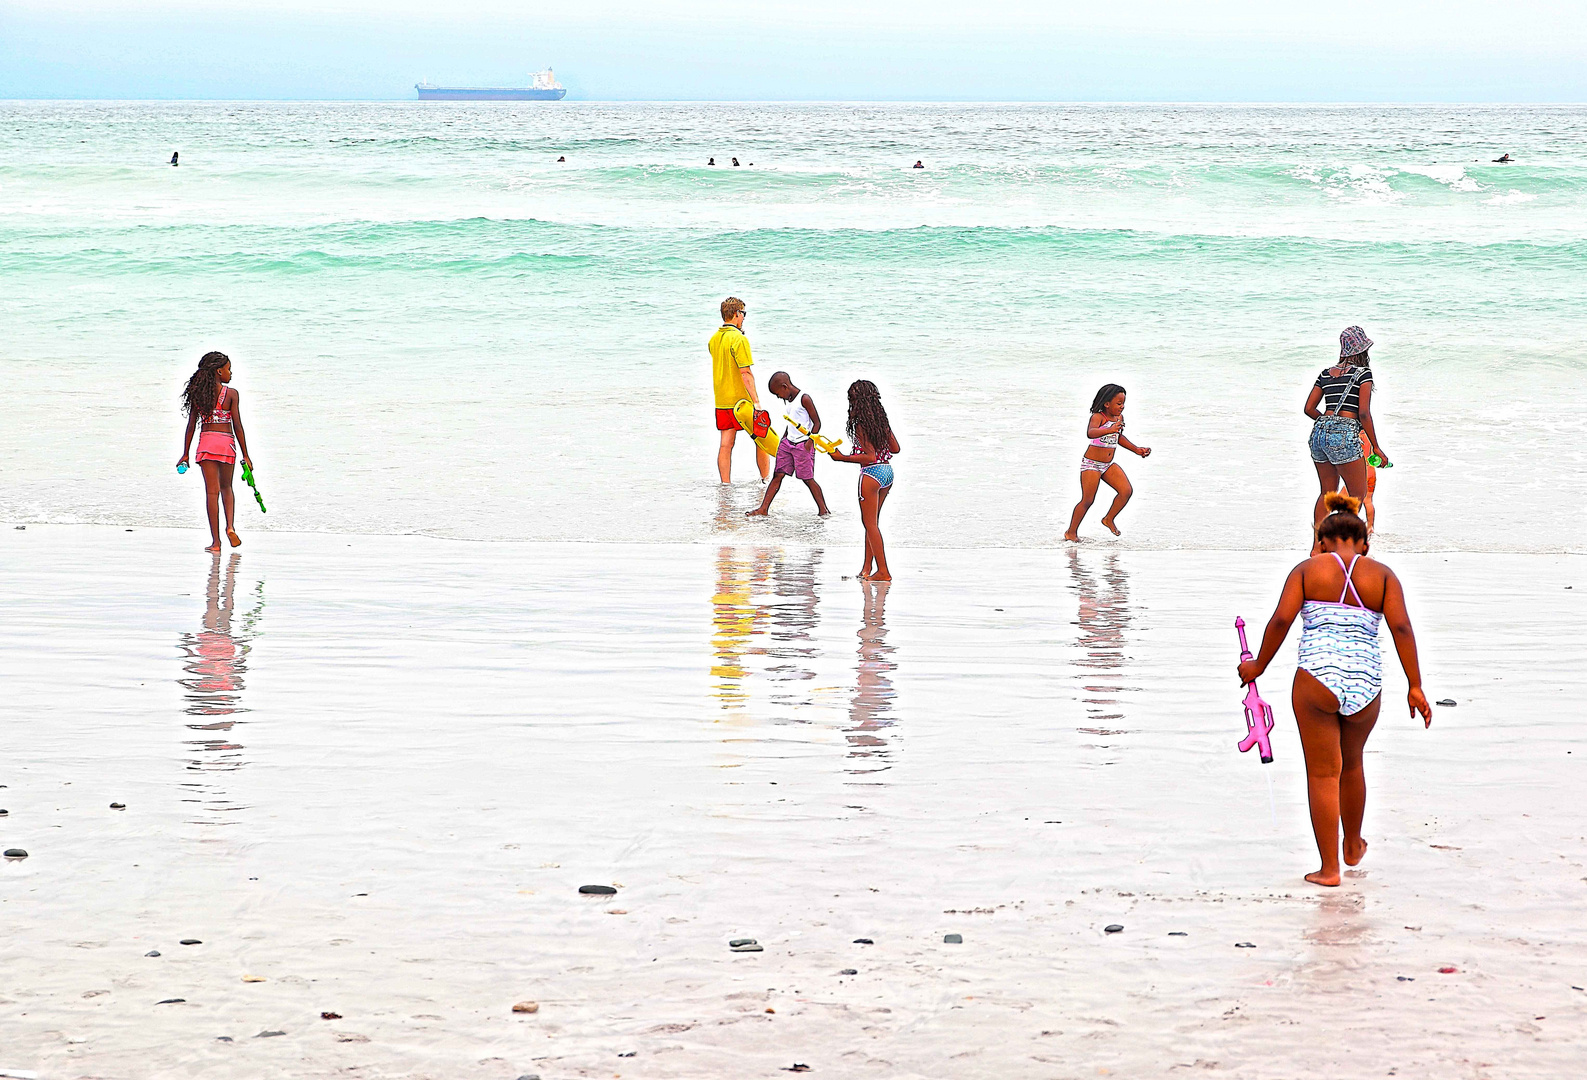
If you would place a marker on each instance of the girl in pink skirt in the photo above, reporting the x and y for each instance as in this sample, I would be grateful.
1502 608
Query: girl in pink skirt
209 402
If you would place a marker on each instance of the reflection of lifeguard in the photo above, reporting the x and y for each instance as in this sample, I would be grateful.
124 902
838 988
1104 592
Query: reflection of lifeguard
735 620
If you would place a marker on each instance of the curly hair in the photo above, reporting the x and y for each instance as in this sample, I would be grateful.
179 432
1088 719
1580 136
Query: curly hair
1105 395
203 389
867 417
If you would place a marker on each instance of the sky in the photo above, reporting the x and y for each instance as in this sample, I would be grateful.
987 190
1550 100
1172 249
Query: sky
908 50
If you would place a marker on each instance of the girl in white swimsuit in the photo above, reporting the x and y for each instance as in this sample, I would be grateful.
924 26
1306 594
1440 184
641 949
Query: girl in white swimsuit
1338 683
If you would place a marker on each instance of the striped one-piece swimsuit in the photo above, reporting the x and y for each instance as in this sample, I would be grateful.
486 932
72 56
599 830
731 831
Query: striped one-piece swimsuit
1339 646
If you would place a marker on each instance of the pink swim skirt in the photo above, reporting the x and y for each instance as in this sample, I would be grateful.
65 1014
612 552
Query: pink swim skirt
216 446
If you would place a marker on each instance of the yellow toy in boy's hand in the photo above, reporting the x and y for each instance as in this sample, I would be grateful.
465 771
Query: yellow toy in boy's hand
758 423
823 444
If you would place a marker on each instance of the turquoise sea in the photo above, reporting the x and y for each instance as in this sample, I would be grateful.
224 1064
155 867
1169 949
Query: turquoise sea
438 328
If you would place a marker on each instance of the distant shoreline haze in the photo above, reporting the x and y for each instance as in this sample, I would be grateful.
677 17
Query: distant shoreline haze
209 56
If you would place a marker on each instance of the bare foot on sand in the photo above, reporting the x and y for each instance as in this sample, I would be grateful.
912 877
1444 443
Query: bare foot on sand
231 534
1318 877
1112 528
1355 851
880 577
1073 538
215 548
755 513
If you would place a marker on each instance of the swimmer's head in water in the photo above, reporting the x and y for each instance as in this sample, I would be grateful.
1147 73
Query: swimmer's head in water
1343 523
1103 402
198 397
732 307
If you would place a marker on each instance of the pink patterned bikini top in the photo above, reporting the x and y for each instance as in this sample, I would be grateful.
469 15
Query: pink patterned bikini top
220 414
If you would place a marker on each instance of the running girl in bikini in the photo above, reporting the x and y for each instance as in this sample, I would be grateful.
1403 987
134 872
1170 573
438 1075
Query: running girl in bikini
210 402
874 447
1106 432
1339 680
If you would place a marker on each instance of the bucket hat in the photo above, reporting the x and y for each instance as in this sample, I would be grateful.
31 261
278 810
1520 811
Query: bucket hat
1353 342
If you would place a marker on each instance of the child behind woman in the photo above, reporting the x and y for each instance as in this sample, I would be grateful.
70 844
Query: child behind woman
874 447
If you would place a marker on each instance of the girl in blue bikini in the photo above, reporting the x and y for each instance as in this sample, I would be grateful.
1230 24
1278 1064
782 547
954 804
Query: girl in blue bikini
1339 679
874 447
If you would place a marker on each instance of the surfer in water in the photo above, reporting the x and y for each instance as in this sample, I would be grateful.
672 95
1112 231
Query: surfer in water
1503 160
735 163
919 165
174 154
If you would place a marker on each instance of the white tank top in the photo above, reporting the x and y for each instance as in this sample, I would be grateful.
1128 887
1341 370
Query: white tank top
796 409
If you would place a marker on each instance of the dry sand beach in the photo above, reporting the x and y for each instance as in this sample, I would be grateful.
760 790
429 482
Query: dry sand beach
371 773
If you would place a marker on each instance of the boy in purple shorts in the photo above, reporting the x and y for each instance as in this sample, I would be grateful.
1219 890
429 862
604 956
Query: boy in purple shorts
796 454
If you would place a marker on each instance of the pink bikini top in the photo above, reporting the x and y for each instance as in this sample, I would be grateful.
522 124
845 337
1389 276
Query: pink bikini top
220 414
1110 440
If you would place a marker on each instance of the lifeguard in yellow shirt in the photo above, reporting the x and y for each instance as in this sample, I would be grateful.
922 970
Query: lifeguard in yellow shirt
732 380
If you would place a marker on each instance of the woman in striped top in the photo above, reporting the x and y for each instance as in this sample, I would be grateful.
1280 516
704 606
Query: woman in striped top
1340 405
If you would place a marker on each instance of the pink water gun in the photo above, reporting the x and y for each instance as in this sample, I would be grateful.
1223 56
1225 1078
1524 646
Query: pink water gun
1258 713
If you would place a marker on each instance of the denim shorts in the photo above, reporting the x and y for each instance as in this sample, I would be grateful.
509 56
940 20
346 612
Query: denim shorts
1336 440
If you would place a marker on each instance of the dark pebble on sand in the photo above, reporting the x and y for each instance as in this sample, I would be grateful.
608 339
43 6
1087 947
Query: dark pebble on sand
530 1076
15 853
630 1053
1177 933
848 971
863 941
269 1034
1113 928
3 813
1448 703
1405 978
171 1001
953 939
597 890
1244 945
190 941
751 947
118 806
736 942
223 1038
152 952
330 1016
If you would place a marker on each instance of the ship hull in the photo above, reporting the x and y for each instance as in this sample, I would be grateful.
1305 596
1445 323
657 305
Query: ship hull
487 93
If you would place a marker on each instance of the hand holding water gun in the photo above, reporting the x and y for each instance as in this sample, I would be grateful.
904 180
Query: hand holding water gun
1258 713
247 478
823 444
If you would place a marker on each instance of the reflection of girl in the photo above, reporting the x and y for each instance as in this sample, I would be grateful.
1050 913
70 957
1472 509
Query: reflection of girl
1106 432
209 400
874 447
1344 392
1339 680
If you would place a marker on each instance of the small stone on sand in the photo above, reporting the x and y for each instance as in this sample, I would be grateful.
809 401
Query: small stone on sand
269 1034
15 853
1448 703
749 947
863 941
848 971
118 806
1113 928
526 1007
4 813
190 941
616 911
350 1036
597 890
223 1038
1177 933
1446 971
152 952
953 939
530 1076
1244 945
1405 978
171 1001
253 978
736 942
796 1067
330 1016
630 1053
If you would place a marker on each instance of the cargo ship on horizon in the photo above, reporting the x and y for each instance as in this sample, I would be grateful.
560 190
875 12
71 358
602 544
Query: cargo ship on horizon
543 87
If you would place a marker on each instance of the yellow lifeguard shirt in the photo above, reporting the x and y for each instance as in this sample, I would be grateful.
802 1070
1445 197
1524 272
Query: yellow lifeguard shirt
729 353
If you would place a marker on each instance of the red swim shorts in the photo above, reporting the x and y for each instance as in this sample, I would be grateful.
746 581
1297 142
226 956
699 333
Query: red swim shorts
725 420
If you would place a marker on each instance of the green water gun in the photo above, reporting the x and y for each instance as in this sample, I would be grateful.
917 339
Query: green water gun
1378 461
247 478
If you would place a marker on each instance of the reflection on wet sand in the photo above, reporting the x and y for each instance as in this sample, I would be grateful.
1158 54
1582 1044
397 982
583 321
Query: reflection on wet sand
793 622
735 620
1104 616
216 662
870 710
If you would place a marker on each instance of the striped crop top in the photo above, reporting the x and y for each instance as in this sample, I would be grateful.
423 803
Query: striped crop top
1333 386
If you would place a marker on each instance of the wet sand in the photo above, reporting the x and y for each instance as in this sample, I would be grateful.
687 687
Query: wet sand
374 772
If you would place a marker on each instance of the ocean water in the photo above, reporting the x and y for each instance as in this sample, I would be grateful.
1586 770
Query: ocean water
439 329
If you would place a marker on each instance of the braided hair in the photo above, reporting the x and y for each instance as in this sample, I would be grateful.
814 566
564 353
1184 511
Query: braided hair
867 417
203 389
